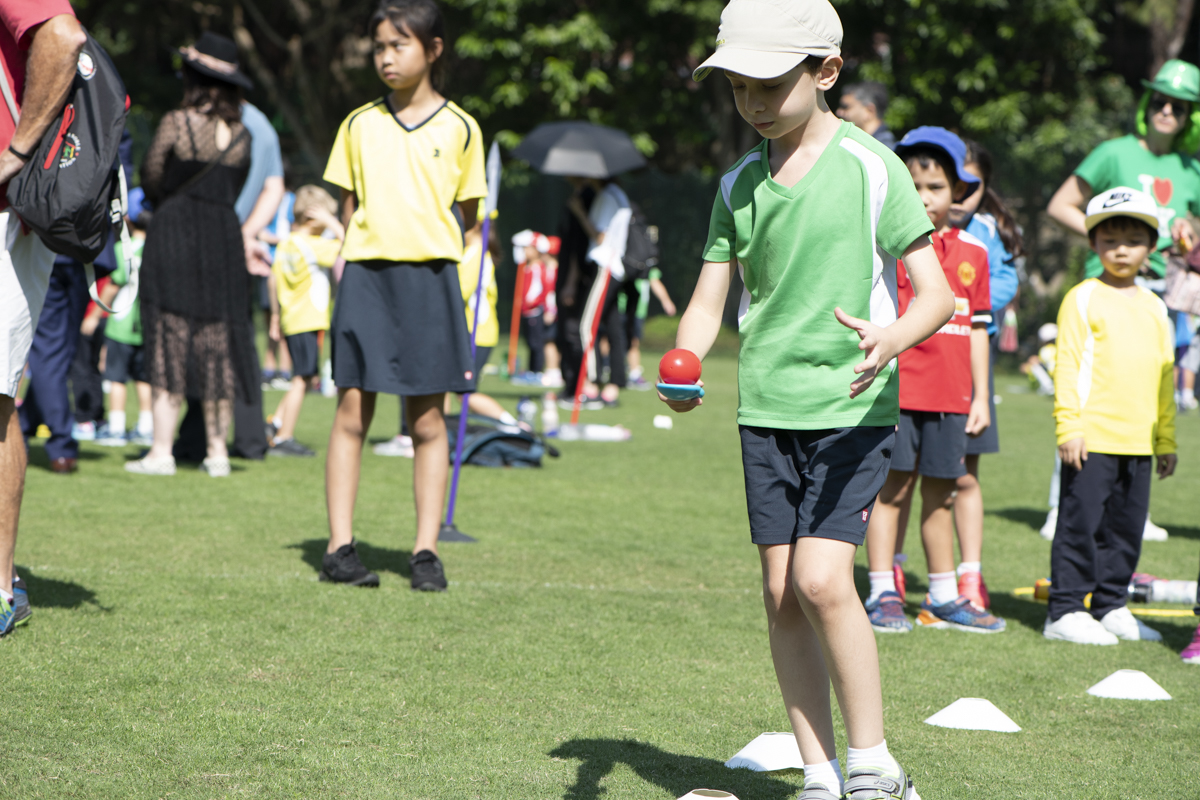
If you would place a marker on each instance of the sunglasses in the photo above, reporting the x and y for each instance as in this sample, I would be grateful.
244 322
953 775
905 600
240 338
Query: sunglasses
1179 108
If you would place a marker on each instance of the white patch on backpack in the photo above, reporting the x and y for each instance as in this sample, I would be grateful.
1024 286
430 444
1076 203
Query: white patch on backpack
70 151
87 67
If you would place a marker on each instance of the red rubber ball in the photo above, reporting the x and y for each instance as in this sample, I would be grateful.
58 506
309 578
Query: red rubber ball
680 367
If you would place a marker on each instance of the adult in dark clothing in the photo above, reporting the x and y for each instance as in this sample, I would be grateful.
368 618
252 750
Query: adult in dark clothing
575 278
864 104
195 285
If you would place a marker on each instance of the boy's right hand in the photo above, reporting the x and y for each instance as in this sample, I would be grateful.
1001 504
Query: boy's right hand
273 329
682 406
1073 452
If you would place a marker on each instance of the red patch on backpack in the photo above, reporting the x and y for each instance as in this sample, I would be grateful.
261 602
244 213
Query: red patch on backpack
1163 190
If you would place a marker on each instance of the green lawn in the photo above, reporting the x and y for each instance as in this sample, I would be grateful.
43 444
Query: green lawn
605 637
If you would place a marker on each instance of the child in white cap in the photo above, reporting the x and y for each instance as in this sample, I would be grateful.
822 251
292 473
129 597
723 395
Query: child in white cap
814 219
1114 408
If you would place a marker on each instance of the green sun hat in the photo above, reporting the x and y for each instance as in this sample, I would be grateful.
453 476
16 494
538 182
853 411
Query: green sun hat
1177 79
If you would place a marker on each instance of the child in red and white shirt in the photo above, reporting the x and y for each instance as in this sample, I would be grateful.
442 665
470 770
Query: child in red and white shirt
943 400
539 273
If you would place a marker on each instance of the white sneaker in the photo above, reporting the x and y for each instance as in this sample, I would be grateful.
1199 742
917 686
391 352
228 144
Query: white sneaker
216 467
1153 533
152 466
1079 627
1050 525
1122 623
396 446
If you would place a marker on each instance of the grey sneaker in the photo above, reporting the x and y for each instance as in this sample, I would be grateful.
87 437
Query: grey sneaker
290 447
343 566
876 783
427 572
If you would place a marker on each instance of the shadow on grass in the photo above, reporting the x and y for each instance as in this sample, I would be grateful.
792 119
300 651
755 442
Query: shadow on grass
51 593
1033 517
1028 612
675 773
39 459
1183 532
376 559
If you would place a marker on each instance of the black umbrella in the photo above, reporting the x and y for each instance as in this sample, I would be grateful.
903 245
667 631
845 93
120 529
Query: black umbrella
579 148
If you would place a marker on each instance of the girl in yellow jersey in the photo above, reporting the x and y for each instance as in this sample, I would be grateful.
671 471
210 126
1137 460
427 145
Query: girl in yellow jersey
411 167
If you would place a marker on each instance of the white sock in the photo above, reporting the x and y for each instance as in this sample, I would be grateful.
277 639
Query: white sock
8 598
899 559
881 582
507 418
969 566
1189 395
943 587
828 775
877 756
116 421
145 421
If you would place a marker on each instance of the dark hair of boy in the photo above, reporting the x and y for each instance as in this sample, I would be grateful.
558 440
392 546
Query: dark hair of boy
925 156
211 96
1120 224
1010 233
870 93
423 20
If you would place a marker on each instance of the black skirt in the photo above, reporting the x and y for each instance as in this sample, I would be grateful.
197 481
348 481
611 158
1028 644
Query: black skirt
401 328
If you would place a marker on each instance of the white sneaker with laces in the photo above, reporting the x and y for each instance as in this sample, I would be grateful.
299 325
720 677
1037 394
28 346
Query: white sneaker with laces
216 467
1050 525
152 466
1123 624
401 446
1078 627
1153 533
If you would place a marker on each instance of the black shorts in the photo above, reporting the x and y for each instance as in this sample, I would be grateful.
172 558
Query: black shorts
989 440
931 444
123 362
305 350
482 354
401 328
813 483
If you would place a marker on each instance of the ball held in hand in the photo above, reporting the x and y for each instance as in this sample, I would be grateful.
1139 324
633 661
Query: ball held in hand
679 367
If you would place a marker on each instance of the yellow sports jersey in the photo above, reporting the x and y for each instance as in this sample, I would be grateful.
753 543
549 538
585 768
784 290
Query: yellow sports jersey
1113 376
407 181
468 278
300 285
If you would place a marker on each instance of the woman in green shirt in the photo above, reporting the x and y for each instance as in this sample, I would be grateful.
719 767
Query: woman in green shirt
1157 160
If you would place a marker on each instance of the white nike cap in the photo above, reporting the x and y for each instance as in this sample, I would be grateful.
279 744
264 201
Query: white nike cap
1122 202
766 38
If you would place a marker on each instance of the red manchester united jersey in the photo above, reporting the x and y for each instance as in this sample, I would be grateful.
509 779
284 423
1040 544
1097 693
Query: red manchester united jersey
936 374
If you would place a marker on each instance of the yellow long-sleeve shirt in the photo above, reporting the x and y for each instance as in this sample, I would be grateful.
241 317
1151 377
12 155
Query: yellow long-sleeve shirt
1113 377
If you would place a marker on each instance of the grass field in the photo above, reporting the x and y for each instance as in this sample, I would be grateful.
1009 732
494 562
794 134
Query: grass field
605 637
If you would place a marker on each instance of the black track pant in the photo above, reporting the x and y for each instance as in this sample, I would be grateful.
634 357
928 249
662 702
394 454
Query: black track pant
1101 517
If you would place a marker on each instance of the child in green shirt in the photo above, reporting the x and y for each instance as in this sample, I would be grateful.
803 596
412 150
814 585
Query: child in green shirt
814 219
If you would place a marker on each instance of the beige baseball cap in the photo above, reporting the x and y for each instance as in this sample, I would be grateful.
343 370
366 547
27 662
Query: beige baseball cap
766 38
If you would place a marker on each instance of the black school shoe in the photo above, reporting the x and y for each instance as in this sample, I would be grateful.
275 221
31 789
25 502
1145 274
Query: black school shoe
343 566
427 572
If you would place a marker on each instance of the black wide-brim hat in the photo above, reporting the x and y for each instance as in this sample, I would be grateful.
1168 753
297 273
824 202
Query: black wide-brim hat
216 56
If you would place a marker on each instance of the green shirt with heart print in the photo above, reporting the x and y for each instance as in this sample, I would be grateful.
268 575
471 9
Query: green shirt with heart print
1173 180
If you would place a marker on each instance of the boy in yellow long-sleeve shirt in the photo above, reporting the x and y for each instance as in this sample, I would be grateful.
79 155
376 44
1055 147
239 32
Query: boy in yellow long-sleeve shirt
1114 408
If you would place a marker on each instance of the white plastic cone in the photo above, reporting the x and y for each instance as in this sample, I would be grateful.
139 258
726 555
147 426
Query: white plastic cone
700 794
1129 684
769 752
973 714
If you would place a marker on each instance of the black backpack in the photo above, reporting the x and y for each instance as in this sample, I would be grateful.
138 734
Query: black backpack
72 191
485 445
641 246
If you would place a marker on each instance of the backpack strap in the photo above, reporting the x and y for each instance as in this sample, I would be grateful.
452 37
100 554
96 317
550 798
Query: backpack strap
119 206
9 100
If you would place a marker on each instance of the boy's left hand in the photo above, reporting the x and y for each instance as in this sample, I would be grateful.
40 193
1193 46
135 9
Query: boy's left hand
879 346
979 417
1166 465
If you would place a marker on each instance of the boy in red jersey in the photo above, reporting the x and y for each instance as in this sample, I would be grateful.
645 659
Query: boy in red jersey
938 379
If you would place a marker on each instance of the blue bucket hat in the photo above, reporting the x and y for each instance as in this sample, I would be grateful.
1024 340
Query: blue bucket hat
942 139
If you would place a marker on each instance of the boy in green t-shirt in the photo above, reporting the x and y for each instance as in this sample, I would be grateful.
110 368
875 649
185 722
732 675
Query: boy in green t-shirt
123 342
814 219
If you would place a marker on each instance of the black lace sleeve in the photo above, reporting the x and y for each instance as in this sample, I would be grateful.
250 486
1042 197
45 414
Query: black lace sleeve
154 166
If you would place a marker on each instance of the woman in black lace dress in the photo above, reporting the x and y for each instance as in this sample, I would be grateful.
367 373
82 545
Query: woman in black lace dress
194 279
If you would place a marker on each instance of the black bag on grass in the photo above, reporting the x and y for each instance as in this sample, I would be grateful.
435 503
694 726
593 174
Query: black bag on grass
485 445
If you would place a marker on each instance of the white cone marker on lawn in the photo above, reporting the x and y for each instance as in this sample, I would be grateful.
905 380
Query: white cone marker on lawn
1129 684
973 714
769 752
701 794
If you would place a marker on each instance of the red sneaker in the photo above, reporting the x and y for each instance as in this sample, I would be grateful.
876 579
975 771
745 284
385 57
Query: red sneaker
898 574
971 585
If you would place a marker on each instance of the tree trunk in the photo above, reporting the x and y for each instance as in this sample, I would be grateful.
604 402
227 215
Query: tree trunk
1168 32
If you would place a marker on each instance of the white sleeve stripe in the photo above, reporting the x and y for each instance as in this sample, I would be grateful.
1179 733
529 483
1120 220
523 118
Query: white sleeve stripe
730 178
981 318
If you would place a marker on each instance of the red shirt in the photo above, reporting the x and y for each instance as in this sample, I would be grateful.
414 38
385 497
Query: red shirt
936 374
539 283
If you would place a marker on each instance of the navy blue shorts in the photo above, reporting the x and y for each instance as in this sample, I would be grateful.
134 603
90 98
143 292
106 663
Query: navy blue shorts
813 483
305 350
931 444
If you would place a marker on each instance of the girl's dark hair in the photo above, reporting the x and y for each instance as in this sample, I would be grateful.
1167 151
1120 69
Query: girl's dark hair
925 156
211 96
1006 225
421 18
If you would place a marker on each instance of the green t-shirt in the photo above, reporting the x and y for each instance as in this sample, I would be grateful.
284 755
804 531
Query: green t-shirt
1173 180
126 327
830 240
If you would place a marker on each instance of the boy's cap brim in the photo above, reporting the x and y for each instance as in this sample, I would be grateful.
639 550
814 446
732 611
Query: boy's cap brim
1121 201
949 143
751 63
1095 219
